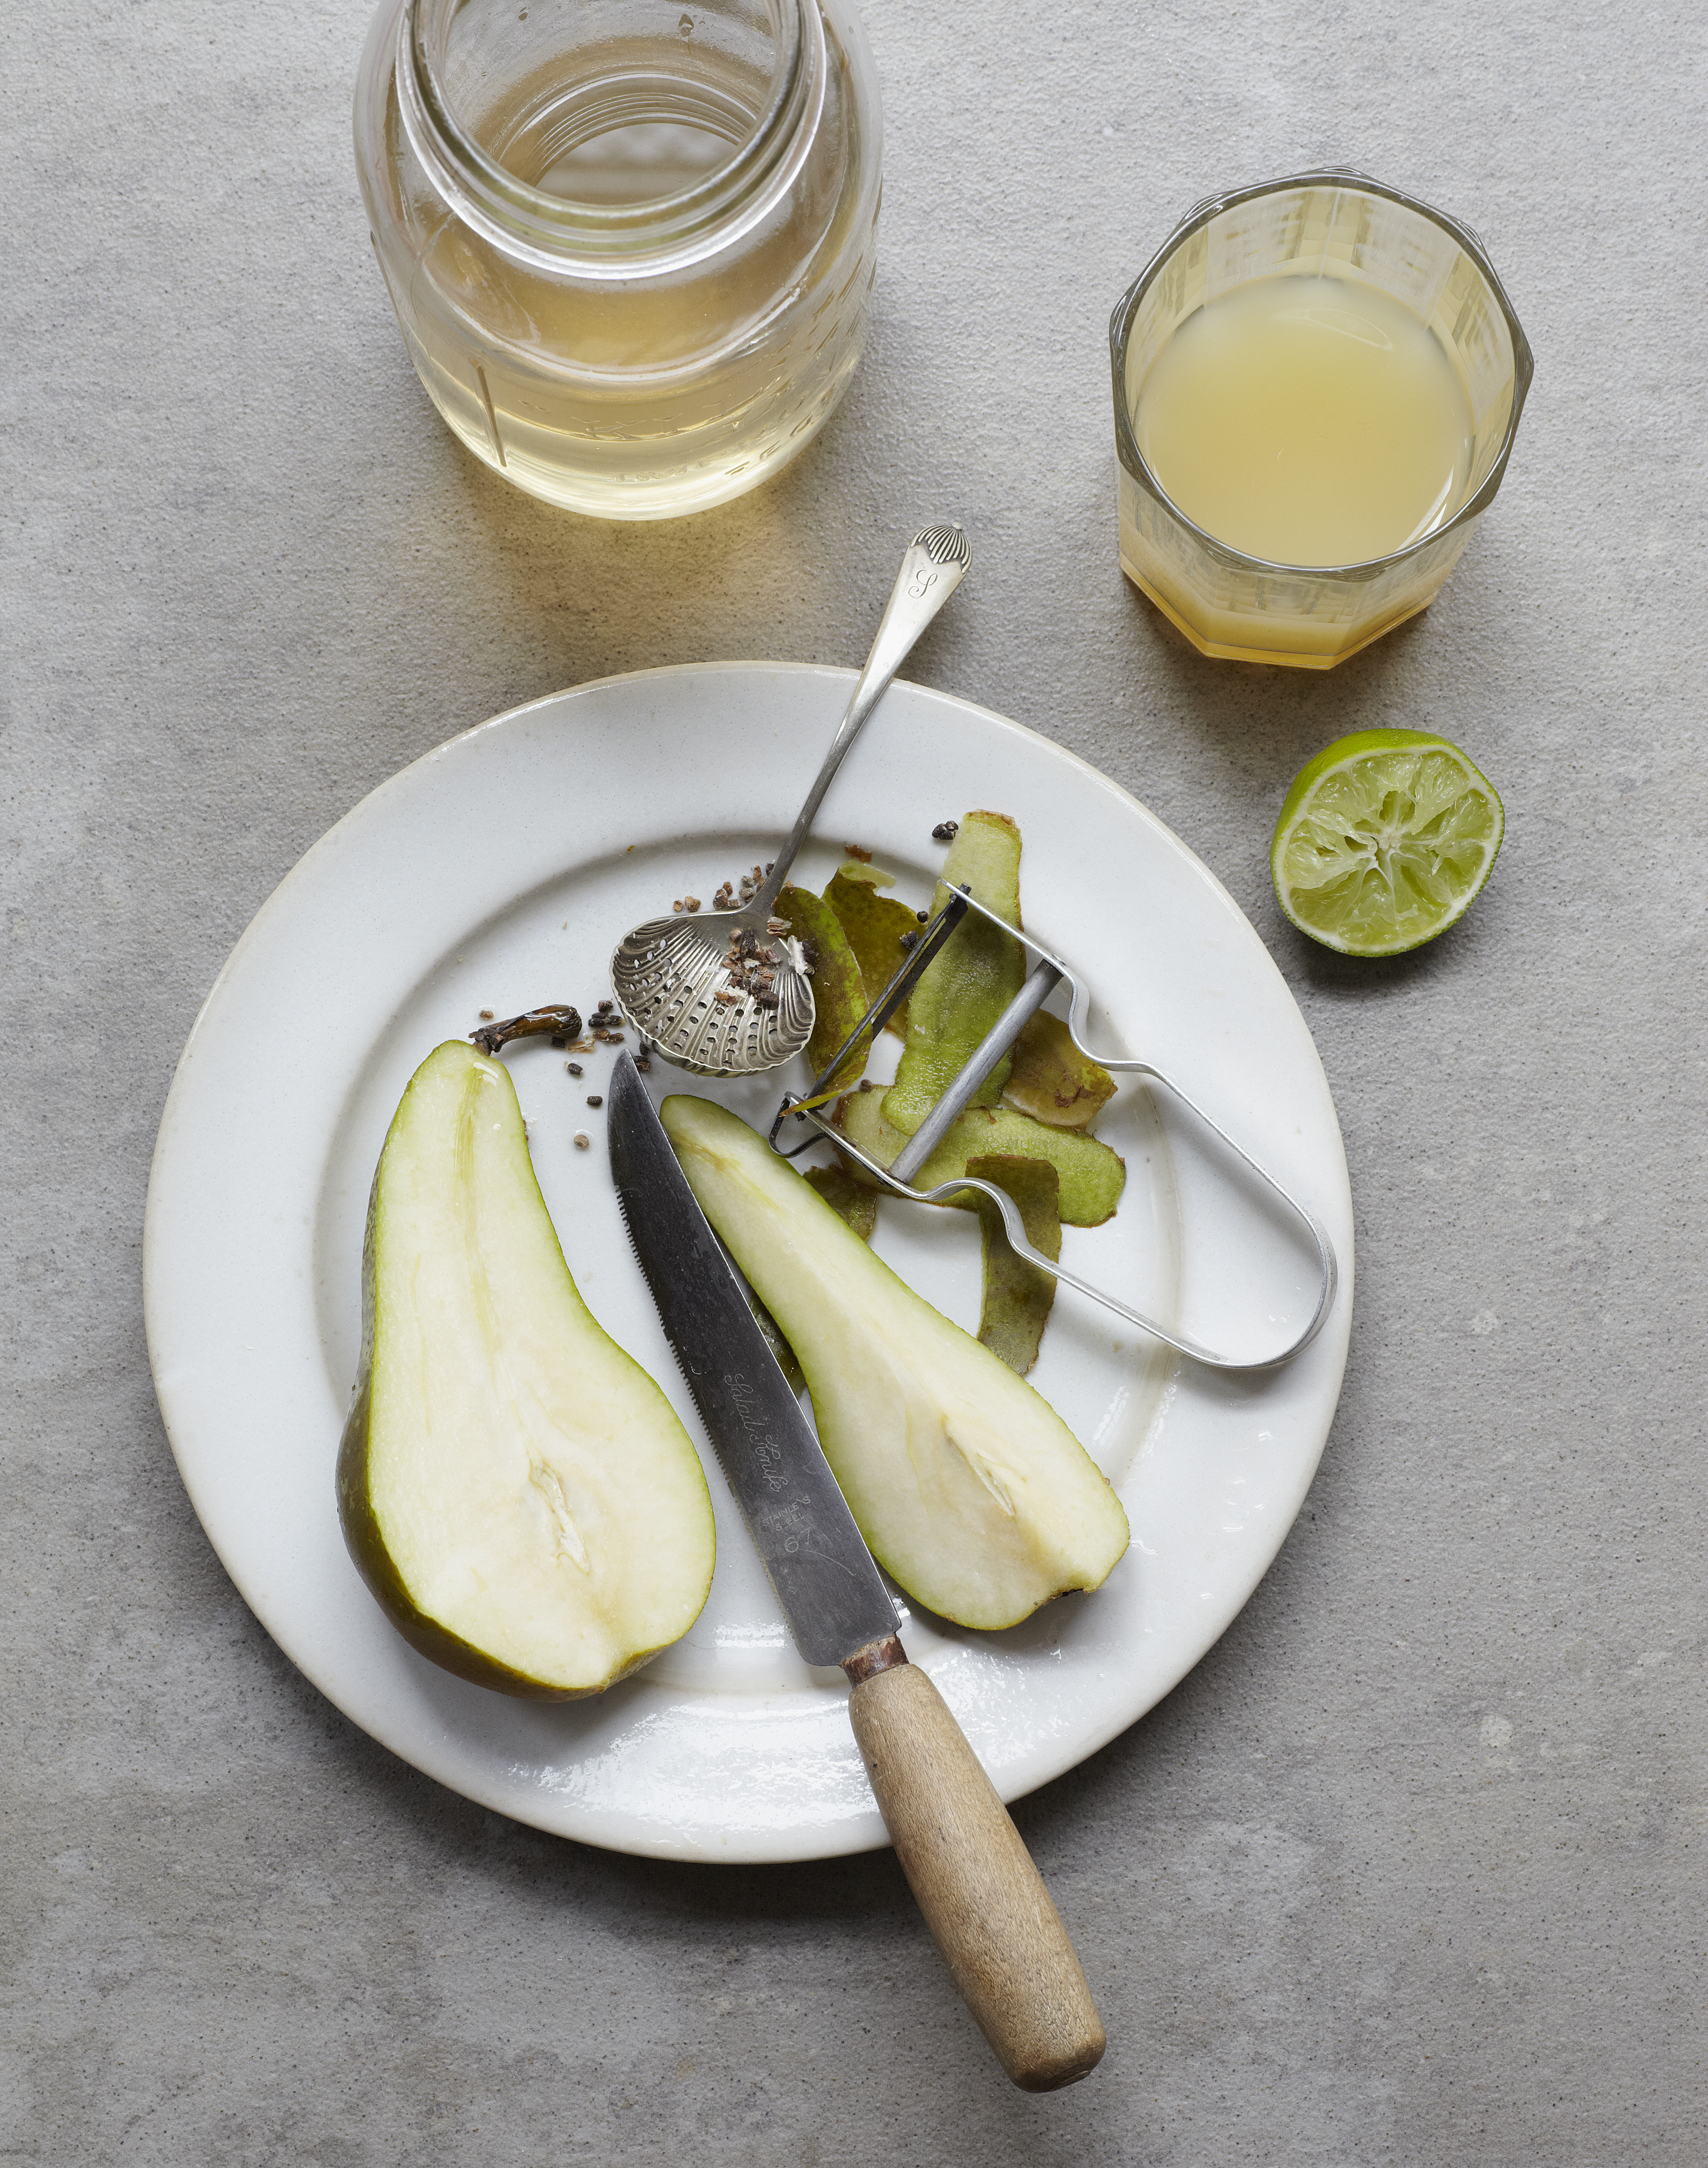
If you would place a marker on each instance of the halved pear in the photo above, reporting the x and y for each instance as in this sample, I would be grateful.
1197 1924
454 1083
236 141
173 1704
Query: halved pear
515 1490
969 1489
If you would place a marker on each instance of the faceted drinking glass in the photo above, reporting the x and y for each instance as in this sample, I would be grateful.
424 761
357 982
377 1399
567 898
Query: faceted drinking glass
1343 224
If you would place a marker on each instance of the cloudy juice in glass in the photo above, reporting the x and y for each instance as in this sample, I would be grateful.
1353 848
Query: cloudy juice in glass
1317 384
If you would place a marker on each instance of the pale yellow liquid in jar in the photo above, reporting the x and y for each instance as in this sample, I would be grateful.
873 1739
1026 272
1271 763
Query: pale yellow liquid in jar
1308 421
625 128
637 399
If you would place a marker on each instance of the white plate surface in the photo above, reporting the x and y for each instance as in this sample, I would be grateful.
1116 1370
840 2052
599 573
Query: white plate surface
496 873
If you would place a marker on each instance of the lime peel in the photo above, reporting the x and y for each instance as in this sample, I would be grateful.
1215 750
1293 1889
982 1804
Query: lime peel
1384 841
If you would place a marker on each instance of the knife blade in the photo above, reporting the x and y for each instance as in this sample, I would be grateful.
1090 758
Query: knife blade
833 1596
982 1898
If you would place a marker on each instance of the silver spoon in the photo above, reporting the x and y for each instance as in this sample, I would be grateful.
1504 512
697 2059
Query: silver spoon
727 993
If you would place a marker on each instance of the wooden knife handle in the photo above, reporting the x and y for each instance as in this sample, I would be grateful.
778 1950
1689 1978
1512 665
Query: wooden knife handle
983 1900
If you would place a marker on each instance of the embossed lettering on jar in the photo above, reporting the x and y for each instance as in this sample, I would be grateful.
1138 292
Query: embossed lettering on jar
629 245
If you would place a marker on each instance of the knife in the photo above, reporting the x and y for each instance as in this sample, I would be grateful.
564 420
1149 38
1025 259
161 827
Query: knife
983 1900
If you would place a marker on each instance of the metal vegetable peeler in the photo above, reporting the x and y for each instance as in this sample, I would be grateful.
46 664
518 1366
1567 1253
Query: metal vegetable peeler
1047 974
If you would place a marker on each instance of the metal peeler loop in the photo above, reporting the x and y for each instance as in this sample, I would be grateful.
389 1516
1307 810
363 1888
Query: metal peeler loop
1049 972
1328 1268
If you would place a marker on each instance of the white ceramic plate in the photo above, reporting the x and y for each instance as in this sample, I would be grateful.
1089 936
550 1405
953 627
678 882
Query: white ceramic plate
496 873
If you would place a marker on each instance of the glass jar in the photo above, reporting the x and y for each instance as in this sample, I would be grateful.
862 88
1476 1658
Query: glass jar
1343 225
630 244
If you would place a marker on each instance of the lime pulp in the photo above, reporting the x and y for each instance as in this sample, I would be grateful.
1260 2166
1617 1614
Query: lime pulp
1384 841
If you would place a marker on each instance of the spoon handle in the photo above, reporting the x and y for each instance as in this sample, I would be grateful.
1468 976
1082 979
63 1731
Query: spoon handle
932 569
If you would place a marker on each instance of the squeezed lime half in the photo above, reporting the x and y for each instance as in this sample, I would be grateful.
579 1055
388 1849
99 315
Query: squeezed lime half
1384 839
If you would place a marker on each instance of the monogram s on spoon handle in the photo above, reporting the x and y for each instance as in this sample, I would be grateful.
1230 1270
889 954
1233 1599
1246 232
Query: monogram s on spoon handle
719 993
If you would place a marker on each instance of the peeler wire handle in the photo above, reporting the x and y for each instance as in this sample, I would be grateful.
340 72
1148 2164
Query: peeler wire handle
1048 973
945 1191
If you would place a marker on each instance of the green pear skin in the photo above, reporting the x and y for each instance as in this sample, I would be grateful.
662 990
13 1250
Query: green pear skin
517 1492
969 982
971 1491
1051 1080
1092 1175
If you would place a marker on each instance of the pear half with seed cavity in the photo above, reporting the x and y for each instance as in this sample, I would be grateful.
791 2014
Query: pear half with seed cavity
514 1489
968 1487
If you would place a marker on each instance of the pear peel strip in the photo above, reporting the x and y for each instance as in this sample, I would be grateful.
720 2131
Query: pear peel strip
1031 994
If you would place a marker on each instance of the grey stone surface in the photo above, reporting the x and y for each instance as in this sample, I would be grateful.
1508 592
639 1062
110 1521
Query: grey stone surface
1409 1871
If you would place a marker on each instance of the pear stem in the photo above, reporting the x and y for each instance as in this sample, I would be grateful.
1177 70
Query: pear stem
559 1019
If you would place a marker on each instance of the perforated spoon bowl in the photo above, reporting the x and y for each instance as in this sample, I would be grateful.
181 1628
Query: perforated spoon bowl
719 992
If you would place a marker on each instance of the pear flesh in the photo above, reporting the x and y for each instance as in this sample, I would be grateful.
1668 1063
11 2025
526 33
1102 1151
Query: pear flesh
515 1490
971 1491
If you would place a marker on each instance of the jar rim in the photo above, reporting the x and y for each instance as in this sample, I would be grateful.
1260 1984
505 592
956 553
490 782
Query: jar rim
658 232
1201 214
